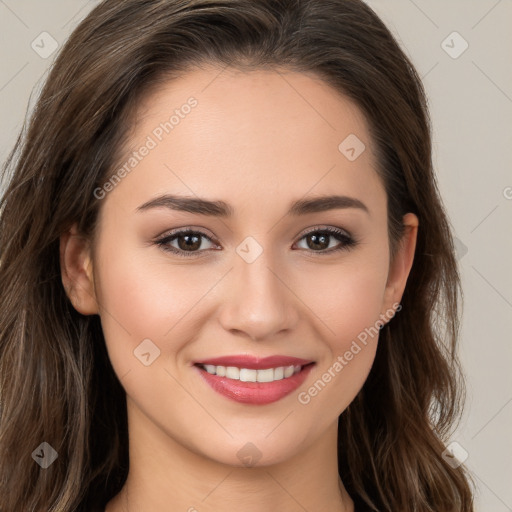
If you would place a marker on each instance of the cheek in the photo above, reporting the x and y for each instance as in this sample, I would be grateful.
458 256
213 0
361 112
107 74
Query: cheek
347 297
141 299
349 303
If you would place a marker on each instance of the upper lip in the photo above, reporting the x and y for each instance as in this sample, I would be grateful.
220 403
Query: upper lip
254 363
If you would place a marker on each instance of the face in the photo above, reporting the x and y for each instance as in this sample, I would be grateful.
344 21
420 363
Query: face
263 273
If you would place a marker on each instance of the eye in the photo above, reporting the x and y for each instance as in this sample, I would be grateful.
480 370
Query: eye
320 239
188 242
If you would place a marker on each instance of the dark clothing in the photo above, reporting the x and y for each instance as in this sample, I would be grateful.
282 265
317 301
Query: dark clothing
359 506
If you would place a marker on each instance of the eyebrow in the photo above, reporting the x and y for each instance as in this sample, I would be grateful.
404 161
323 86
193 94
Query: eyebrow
223 209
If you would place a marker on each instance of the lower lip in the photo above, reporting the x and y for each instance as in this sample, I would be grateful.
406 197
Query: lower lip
255 393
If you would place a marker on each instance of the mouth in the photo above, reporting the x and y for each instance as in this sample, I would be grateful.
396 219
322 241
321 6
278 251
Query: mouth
254 381
252 375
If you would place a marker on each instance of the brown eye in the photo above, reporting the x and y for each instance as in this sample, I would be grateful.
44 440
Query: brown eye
183 242
324 240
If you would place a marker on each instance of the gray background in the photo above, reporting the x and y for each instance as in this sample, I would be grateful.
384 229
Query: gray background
470 96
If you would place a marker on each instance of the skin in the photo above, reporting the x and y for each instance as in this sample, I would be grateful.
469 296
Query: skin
257 140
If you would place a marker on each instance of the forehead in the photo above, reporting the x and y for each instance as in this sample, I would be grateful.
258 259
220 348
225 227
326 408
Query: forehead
254 135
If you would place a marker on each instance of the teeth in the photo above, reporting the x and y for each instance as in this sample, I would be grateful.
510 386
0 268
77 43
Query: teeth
232 372
247 375
250 375
265 375
288 371
279 373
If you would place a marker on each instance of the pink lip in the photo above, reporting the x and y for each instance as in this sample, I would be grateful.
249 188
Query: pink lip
255 363
255 393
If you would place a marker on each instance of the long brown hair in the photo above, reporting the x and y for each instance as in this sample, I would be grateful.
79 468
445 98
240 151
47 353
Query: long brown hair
56 381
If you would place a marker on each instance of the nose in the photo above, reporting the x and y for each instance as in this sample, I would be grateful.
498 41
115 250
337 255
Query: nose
258 299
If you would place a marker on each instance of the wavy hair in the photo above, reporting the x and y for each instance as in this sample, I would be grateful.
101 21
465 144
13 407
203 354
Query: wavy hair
54 367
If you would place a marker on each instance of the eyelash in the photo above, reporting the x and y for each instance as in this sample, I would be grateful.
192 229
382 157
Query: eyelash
348 242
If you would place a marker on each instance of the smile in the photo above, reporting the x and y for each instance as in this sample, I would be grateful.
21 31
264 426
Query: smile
251 375
254 381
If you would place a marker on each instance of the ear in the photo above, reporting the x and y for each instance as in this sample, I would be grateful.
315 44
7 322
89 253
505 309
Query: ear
401 265
76 271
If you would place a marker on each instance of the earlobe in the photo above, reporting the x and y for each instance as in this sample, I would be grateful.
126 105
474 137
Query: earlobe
401 265
77 272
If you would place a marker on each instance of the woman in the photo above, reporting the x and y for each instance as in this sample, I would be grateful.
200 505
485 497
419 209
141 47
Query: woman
228 280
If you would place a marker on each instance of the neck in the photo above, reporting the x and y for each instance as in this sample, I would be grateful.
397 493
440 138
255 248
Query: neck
166 475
